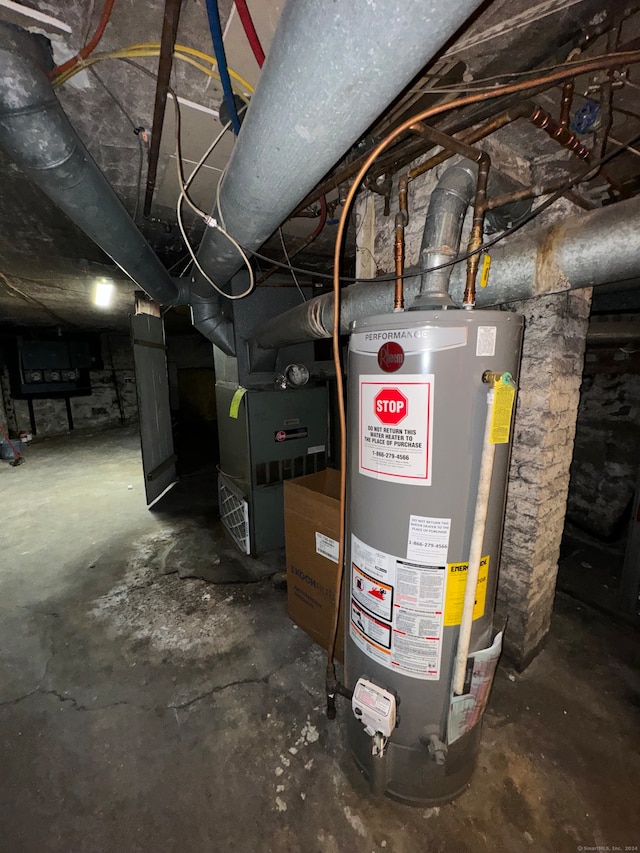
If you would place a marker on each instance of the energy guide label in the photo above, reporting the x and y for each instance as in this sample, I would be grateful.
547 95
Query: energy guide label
396 610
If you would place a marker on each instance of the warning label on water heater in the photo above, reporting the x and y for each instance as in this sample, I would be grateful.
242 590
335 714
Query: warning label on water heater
396 428
396 610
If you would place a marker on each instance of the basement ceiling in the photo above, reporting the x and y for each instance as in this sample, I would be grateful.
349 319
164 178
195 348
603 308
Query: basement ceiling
48 267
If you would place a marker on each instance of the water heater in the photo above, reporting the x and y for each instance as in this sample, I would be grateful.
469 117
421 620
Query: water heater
417 416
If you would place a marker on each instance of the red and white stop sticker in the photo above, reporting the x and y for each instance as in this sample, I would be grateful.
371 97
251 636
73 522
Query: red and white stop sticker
396 428
391 406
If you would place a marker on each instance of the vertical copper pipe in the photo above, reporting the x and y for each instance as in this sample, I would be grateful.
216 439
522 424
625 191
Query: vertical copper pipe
167 43
566 102
402 217
477 228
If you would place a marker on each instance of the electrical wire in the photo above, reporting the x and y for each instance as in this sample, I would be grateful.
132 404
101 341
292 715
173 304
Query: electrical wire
265 274
210 222
293 275
152 49
213 15
625 145
89 47
250 31
184 186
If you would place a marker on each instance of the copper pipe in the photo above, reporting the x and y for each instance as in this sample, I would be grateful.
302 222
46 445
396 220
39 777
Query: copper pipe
542 119
402 218
470 137
566 102
554 77
165 63
524 193
455 146
477 229
536 192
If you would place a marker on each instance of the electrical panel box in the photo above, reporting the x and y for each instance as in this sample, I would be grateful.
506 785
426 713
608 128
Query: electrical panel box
51 368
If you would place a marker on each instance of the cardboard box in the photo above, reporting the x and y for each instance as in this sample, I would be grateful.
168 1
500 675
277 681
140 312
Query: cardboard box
311 523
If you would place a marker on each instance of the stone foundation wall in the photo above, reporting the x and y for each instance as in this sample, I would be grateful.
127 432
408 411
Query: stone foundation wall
544 431
607 451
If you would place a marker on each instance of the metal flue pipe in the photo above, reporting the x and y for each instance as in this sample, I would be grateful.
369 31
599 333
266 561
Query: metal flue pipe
39 138
584 250
448 205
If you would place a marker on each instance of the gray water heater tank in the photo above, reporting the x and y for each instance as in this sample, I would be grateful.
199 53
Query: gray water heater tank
417 413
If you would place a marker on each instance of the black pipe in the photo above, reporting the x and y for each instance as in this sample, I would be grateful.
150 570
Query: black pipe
165 64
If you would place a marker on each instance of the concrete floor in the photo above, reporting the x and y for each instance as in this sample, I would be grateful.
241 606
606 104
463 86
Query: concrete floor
140 711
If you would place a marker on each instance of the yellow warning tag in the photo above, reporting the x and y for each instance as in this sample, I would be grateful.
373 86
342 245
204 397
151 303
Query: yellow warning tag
456 585
484 273
505 395
235 402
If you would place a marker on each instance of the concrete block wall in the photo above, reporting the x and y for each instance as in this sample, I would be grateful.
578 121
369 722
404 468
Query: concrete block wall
554 342
112 401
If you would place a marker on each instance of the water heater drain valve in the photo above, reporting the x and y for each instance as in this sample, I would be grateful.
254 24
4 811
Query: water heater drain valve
375 707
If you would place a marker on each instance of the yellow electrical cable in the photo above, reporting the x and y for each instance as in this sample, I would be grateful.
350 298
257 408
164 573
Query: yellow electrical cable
183 48
142 51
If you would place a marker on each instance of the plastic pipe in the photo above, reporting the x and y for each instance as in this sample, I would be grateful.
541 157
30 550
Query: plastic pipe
475 552
218 48
250 31
90 46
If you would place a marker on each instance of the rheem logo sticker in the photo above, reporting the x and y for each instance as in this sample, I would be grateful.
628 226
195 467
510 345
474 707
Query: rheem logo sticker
391 406
390 357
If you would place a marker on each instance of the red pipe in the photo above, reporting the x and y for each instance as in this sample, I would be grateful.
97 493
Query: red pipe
250 31
89 47
323 218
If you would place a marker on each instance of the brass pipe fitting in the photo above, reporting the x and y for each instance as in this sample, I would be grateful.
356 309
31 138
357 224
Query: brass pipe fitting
477 229
542 119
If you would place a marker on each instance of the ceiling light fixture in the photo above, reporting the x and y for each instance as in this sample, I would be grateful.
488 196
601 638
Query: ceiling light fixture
103 293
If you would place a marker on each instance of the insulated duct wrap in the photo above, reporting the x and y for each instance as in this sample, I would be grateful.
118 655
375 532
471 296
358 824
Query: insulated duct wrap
585 250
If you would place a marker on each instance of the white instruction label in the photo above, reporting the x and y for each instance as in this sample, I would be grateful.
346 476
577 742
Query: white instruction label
396 428
327 547
466 711
397 610
428 540
486 341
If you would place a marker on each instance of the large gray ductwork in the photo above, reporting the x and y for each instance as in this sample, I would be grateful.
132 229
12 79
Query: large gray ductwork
585 250
37 135
332 69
